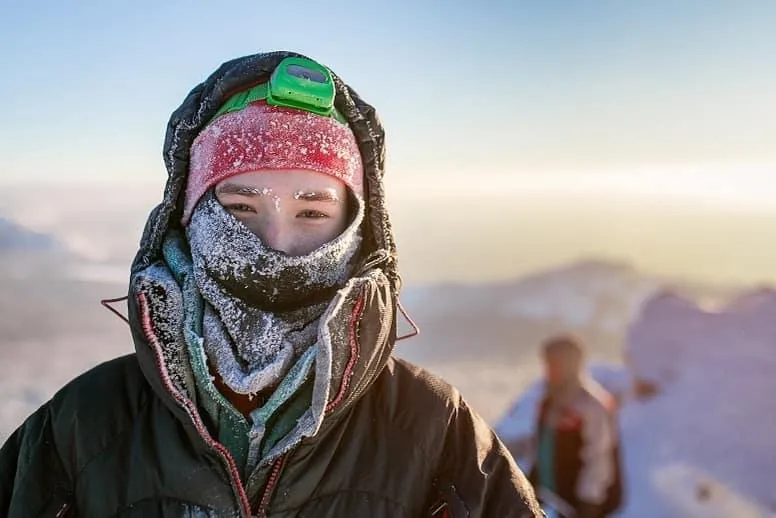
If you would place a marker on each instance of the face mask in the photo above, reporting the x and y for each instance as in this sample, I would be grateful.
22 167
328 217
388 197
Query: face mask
231 259
262 306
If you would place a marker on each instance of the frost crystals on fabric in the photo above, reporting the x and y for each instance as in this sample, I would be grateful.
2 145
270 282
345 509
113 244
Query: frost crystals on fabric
263 306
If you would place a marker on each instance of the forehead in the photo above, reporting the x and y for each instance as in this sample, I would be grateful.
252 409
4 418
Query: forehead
286 181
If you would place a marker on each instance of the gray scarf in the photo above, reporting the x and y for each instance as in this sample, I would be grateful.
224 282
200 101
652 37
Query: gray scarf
262 306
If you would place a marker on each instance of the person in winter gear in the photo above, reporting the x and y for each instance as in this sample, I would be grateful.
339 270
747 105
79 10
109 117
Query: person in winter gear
263 307
577 443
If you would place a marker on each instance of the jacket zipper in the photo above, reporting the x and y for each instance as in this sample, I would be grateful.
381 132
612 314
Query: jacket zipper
441 511
269 489
187 405
449 505
354 346
373 366
277 467
63 510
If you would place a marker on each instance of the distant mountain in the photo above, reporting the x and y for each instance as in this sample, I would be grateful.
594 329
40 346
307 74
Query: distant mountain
26 254
16 238
595 299
587 297
488 335
485 338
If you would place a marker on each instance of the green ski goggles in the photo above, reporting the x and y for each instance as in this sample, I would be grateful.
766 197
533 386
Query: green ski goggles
297 83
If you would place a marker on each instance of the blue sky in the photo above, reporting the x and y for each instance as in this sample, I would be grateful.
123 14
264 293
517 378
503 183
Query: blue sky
515 87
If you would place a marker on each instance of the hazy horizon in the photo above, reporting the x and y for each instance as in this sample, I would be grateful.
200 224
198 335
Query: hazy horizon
466 233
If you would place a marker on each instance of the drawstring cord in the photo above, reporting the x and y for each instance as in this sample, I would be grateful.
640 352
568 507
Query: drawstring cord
106 303
376 259
415 329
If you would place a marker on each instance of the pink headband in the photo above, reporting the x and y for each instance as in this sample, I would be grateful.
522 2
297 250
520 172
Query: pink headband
263 137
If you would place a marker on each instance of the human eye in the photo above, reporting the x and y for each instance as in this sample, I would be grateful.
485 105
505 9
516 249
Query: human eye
239 208
312 214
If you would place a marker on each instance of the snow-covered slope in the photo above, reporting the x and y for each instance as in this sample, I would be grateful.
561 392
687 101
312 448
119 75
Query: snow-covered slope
703 442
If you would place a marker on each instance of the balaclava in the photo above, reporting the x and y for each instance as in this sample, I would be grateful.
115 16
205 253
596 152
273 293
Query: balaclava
262 306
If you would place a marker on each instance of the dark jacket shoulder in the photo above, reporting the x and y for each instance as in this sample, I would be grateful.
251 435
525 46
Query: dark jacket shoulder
96 408
408 388
112 391
41 461
474 474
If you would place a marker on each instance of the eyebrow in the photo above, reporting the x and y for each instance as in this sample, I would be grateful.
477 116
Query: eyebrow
242 190
328 196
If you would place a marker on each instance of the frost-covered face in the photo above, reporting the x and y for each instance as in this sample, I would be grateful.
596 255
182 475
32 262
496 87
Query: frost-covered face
292 211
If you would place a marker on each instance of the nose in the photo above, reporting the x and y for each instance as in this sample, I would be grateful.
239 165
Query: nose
273 232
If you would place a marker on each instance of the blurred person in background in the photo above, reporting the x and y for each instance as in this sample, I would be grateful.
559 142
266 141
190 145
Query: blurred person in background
263 305
577 469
